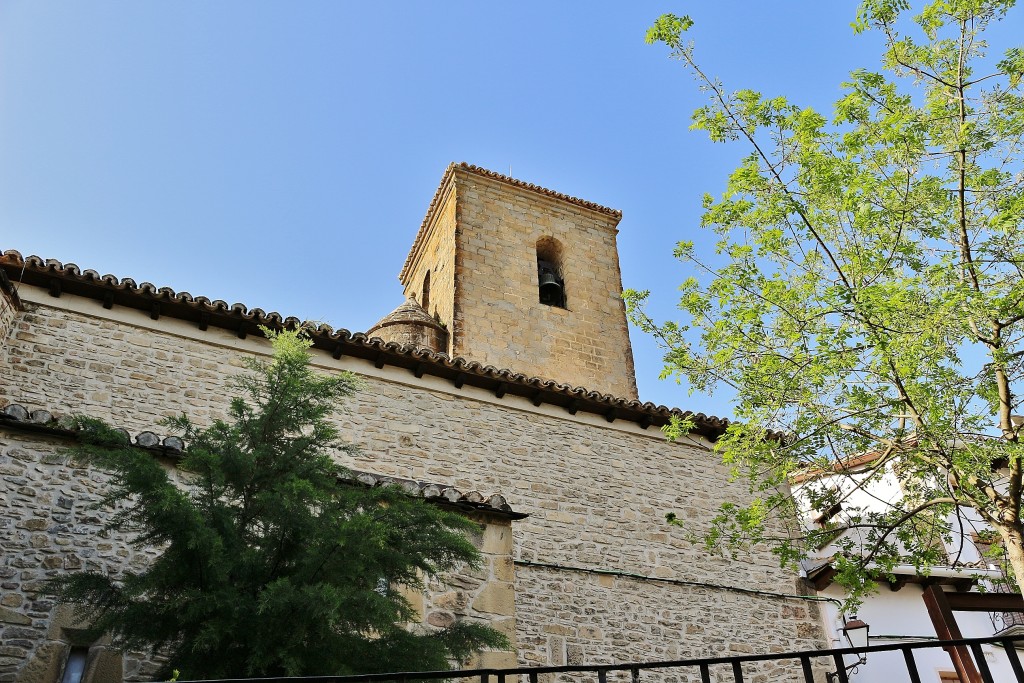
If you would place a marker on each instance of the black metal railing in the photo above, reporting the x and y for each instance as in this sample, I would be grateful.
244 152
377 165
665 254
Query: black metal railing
801 667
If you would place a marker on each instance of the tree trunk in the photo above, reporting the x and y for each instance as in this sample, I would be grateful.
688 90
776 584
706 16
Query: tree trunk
1013 536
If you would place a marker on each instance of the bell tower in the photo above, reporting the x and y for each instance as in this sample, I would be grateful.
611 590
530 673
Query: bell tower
524 278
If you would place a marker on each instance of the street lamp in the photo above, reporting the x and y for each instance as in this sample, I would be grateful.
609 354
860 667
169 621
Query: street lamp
856 632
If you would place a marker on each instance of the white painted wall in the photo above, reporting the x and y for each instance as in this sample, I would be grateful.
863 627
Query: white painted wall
901 616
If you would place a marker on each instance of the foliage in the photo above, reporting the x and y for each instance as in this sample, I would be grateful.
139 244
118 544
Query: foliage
866 294
269 564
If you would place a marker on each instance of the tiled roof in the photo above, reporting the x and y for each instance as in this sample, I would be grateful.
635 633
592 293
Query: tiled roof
111 291
44 421
470 500
848 465
821 572
20 417
492 175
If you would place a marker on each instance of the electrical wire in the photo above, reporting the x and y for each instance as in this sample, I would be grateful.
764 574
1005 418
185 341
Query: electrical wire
677 582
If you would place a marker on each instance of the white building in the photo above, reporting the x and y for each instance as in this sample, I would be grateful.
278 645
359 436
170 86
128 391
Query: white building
898 612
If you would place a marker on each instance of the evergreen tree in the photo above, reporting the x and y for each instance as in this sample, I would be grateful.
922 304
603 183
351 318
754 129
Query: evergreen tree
271 564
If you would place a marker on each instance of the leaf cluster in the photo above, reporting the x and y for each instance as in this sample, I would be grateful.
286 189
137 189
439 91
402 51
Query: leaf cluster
867 289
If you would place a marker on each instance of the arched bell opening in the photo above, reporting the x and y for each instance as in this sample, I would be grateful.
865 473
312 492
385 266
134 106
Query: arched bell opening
425 298
550 283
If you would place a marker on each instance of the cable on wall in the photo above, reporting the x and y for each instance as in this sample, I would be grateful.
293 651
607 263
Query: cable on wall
677 582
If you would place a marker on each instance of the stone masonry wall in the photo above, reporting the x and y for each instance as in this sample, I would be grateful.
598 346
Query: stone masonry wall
437 254
485 595
596 493
7 315
419 335
49 527
596 499
498 317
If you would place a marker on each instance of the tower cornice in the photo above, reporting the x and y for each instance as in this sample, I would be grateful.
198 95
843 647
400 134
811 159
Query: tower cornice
447 180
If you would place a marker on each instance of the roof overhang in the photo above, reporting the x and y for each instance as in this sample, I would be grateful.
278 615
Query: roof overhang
822 575
60 279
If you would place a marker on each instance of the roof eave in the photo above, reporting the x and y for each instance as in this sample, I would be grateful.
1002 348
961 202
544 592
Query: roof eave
60 279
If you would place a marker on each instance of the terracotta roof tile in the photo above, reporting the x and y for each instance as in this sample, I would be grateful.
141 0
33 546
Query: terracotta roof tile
111 291
845 465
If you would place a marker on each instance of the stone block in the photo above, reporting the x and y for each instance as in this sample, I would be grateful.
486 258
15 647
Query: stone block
46 664
497 660
497 539
559 629
63 617
105 666
497 597
453 600
9 616
440 619
506 626
416 600
503 569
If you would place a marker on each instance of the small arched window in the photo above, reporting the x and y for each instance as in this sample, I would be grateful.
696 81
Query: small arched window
550 283
425 299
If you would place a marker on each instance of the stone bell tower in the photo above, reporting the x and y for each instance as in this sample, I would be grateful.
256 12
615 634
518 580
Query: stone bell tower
523 278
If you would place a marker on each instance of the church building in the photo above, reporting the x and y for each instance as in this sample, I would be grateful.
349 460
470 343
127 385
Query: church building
503 386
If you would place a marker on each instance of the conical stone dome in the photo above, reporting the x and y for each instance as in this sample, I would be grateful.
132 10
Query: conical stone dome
410 324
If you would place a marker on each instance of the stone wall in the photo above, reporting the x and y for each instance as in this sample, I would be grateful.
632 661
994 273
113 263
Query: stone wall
596 492
50 527
498 315
436 253
577 618
8 312
414 334
485 595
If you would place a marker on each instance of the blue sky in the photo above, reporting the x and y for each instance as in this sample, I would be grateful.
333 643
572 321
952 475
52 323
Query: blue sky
282 154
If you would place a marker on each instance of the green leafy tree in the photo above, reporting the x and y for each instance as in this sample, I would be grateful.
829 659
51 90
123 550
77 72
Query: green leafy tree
270 564
866 294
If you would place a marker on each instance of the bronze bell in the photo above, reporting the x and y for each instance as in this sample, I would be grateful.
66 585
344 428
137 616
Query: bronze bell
550 289
549 278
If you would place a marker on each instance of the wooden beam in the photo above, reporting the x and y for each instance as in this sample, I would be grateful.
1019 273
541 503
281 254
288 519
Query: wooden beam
946 628
823 580
963 585
897 584
985 602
